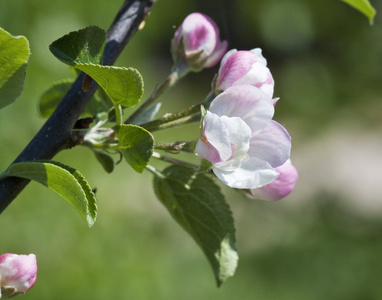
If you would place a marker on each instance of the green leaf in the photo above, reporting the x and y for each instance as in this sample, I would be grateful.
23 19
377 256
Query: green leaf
83 46
14 55
197 204
124 86
83 49
53 96
136 144
64 180
364 7
105 160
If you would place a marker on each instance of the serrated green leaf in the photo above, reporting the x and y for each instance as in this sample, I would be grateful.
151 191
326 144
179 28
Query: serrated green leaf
364 7
197 204
124 86
83 49
136 144
14 56
64 180
83 46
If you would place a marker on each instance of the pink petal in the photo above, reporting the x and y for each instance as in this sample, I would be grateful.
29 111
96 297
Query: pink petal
272 144
281 187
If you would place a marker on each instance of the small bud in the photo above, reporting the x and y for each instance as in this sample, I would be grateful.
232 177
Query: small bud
196 44
17 274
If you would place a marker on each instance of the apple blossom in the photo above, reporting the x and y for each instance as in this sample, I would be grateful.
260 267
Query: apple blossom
196 43
279 188
244 67
241 140
17 274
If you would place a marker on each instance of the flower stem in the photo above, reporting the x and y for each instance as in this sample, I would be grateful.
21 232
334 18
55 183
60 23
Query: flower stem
154 171
170 81
176 146
185 116
173 160
170 121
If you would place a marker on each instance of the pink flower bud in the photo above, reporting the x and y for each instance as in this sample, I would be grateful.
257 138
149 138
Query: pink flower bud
196 44
17 274
279 188
244 67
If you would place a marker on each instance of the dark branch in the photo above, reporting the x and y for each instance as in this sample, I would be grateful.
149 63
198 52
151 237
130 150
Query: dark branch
56 134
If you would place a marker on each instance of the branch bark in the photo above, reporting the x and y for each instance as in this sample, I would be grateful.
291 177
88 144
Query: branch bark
56 134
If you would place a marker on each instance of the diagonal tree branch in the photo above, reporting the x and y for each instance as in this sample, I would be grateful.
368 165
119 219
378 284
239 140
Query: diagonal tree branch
56 134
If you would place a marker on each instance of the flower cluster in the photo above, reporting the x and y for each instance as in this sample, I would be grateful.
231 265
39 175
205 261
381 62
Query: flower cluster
247 149
17 274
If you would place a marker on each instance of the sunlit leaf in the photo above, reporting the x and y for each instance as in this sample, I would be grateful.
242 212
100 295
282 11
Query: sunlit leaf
364 7
197 204
83 49
124 86
14 55
136 144
83 46
64 180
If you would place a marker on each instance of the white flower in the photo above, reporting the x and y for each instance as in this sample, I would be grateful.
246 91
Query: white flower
241 140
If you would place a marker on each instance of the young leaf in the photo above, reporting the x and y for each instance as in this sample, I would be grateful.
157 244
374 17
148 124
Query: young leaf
124 86
83 46
197 204
364 7
64 180
14 55
136 144
52 97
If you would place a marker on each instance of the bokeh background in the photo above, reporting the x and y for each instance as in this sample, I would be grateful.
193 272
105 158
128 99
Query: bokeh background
324 241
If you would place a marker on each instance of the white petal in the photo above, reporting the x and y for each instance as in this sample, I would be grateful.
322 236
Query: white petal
272 144
239 137
259 55
247 102
217 135
258 73
253 173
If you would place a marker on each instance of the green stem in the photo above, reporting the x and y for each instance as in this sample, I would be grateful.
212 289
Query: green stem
170 81
173 160
164 124
118 113
188 147
154 171
187 115
102 146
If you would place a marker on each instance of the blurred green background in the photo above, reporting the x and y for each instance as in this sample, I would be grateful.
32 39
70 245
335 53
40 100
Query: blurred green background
324 241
